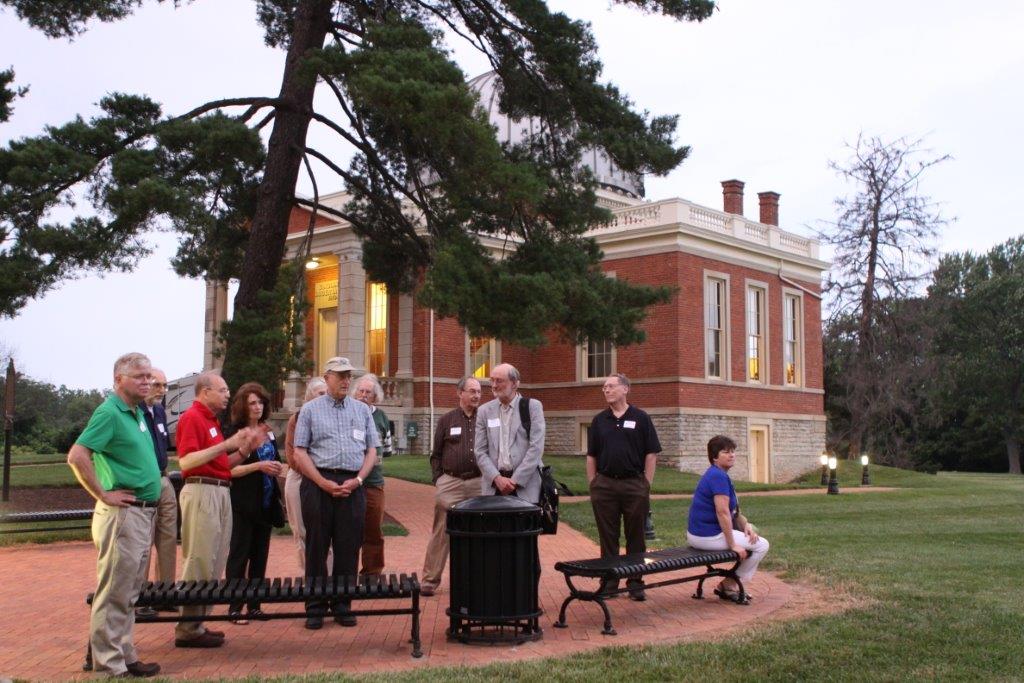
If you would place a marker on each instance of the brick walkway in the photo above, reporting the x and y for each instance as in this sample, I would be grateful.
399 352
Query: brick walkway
44 618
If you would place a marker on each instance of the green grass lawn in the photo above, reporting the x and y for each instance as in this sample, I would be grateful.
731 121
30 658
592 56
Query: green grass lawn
571 470
938 563
36 458
43 475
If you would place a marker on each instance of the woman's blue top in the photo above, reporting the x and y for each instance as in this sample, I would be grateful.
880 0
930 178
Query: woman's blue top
703 521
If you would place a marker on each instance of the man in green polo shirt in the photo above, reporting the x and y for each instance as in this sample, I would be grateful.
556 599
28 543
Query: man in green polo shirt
113 460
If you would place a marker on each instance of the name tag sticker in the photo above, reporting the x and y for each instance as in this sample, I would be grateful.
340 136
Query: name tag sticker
358 435
455 431
160 428
493 422
629 424
213 431
142 426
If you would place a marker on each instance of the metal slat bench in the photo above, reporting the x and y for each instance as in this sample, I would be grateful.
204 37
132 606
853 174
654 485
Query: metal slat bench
609 571
46 516
278 591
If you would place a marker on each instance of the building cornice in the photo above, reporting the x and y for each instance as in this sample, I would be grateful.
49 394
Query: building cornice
659 227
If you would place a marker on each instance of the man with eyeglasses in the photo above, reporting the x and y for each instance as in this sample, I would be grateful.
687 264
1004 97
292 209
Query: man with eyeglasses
509 458
336 445
113 460
165 532
206 459
622 453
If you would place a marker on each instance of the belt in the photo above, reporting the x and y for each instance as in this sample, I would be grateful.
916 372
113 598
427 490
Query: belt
143 503
333 470
464 475
506 473
628 475
212 481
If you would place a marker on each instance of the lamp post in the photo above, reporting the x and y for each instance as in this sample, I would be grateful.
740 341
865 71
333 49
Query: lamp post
833 482
824 468
649 527
865 477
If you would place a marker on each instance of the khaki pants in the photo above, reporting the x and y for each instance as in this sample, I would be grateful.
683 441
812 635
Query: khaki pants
165 534
122 536
372 550
205 541
449 491
293 508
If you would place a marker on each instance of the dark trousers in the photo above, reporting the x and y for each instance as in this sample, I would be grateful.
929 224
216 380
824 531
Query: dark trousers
332 523
620 500
247 557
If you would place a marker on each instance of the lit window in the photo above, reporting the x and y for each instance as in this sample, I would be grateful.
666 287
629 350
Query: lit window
600 360
714 298
755 334
376 328
481 356
791 338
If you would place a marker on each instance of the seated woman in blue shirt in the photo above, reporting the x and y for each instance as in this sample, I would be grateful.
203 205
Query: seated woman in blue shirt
715 522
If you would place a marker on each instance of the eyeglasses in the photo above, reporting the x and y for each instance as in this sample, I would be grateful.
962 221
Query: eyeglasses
139 377
158 385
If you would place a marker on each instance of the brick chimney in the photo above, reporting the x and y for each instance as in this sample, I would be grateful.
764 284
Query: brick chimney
732 196
769 207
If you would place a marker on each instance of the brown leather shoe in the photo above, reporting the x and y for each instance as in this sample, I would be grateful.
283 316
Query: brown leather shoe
143 670
427 590
215 634
205 640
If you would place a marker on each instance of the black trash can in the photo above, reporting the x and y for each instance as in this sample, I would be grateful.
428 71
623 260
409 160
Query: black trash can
494 570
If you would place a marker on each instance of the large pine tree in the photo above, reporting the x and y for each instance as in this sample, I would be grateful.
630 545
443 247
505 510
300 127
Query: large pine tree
427 176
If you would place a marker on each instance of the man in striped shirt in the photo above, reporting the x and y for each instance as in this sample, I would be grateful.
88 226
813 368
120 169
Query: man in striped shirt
335 449
455 474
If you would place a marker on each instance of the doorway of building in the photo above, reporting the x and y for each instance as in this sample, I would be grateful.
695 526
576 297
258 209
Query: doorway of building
327 336
760 460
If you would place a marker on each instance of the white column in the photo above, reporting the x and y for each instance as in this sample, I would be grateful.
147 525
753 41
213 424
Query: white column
352 307
404 336
216 313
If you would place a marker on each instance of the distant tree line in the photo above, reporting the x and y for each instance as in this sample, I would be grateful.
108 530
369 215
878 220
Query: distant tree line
47 418
923 367
947 373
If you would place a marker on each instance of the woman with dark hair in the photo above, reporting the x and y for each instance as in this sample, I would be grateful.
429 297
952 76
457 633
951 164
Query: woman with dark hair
715 522
255 496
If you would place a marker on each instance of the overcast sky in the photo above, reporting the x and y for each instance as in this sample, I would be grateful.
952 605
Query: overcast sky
767 92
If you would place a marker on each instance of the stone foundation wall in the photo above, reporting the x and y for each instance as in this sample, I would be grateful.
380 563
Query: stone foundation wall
796 447
561 436
794 444
693 444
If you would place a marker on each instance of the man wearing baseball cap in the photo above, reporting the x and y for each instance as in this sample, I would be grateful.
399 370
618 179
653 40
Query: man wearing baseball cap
335 448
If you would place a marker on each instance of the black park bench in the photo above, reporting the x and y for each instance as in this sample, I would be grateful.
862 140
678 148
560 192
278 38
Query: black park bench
609 571
46 516
278 591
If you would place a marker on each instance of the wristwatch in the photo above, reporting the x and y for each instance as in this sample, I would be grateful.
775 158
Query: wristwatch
359 479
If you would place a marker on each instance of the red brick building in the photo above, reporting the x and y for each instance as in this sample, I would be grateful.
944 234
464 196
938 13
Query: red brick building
736 351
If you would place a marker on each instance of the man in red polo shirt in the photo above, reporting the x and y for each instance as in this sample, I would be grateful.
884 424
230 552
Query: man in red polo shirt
206 460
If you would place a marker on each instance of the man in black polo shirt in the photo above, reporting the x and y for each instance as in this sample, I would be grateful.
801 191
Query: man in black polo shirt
621 456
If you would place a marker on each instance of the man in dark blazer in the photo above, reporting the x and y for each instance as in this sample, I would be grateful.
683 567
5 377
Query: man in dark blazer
165 531
509 460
